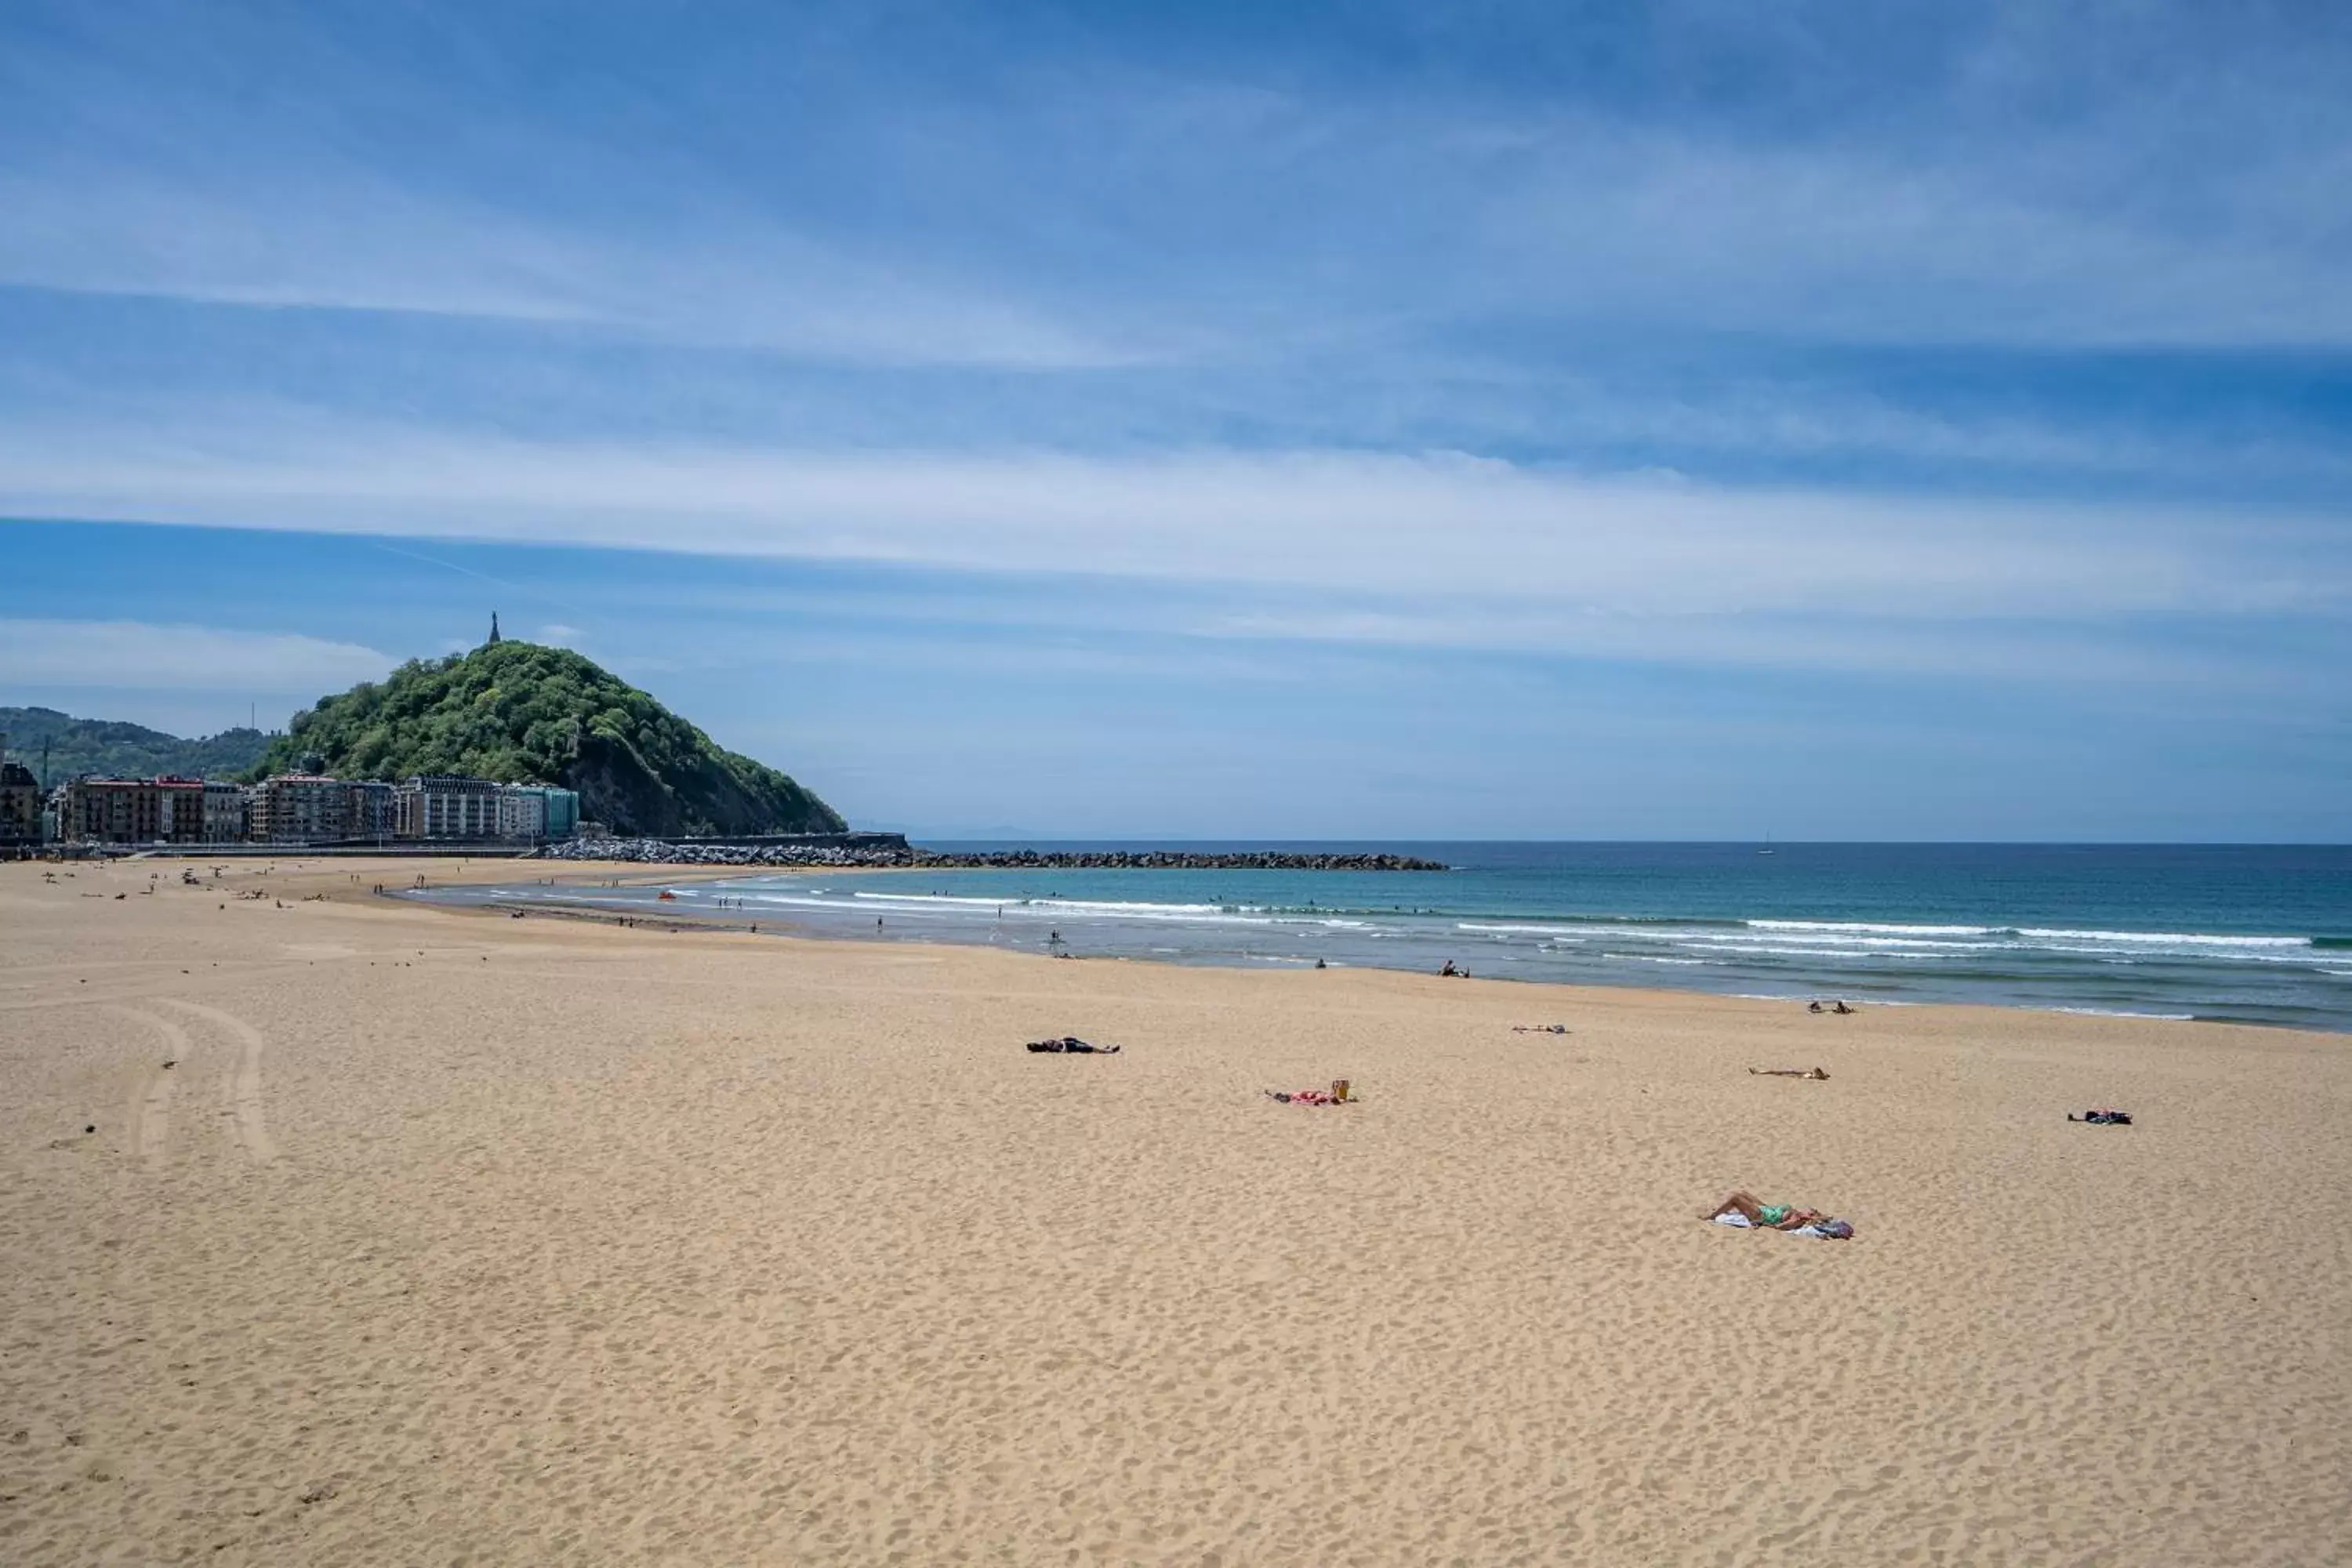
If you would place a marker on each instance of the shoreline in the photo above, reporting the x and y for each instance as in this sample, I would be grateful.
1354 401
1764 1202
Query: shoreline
783 926
345 886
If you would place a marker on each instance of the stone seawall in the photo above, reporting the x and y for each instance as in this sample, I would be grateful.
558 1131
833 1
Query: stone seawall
667 852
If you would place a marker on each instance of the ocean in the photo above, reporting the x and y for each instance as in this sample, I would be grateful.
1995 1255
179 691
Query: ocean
2244 933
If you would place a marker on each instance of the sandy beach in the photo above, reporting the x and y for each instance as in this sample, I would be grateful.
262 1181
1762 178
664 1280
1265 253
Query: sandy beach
458 1238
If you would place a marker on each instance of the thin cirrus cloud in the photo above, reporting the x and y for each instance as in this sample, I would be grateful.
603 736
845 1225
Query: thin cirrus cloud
147 656
1108 209
360 245
1576 562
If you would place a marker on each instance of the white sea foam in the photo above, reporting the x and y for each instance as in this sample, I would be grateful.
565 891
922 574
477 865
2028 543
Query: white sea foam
2032 933
1869 928
1585 932
2163 938
1738 939
1846 952
2151 953
2119 1012
1079 906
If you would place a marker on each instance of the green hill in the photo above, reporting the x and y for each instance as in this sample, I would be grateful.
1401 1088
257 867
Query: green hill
520 713
125 751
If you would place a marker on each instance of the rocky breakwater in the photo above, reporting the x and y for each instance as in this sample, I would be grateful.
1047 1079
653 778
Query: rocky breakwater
1182 860
686 852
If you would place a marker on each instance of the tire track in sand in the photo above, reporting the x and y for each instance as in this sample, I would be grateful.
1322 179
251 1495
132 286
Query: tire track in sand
241 1084
149 1116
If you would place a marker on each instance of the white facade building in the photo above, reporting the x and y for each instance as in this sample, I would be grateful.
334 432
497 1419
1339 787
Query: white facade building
522 811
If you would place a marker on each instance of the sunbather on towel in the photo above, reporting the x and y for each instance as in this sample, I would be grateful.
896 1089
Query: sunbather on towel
1072 1044
1305 1097
1788 1072
1766 1216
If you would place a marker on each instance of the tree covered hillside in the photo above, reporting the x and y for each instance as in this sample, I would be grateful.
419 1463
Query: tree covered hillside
520 713
122 751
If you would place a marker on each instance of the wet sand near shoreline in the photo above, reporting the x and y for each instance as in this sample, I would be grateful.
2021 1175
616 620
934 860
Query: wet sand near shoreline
457 1238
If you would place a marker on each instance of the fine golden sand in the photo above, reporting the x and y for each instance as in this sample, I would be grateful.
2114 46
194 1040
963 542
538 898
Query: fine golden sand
467 1239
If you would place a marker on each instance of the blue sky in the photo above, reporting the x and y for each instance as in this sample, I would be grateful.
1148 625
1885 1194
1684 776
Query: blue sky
1693 420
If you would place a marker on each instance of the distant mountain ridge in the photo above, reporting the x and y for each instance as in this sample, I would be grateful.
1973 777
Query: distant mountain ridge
127 751
521 714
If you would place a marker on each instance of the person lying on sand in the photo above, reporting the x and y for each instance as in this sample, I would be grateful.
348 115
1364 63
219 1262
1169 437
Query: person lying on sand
1071 1045
1539 1028
1338 1094
1788 1072
1764 1215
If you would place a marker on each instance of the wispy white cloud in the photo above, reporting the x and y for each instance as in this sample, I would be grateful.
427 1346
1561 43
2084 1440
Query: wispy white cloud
1347 549
1119 211
149 657
1333 522
1843 242
347 240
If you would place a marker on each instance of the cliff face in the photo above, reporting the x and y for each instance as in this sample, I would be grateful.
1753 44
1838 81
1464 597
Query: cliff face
521 714
704 794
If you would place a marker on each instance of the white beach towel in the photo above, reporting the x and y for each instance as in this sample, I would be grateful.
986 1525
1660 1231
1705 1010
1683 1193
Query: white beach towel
1742 1222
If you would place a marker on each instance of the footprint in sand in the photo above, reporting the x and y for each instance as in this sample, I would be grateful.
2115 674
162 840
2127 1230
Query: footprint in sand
150 1114
241 1085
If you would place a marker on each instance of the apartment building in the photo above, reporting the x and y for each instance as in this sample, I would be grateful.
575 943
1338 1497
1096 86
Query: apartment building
562 811
148 811
445 805
375 809
110 811
523 813
20 806
538 811
298 808
180 810
223 812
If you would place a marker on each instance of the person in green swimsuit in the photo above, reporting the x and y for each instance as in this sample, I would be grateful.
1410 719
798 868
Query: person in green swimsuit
1766 1216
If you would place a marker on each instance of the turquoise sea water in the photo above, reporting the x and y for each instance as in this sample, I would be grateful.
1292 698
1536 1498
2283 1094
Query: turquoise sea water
2248 933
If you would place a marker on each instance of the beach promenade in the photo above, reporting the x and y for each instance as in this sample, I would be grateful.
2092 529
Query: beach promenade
453 1238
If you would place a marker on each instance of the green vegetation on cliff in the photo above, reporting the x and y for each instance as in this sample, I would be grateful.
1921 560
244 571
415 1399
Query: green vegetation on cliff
520 713
115 750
